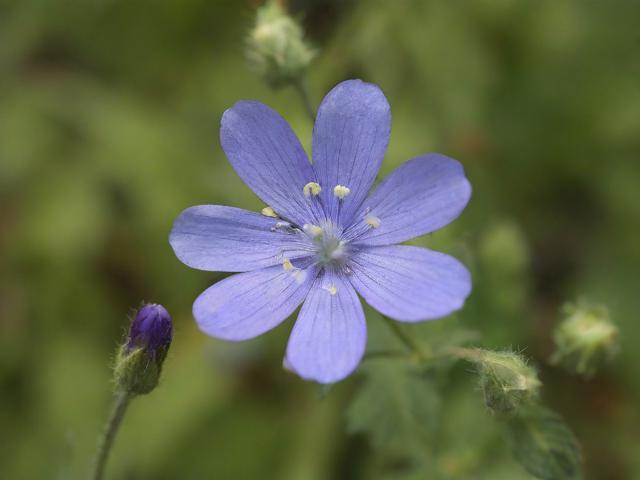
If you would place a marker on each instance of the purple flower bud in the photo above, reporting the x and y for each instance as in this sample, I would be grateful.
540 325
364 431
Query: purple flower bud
151 330
139 360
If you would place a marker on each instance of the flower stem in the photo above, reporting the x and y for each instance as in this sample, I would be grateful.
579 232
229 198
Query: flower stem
120 404
406 340
461 353
469 354
302 89
384 354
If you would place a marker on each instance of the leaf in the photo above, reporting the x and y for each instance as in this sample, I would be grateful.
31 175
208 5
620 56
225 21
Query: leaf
397 406
544 445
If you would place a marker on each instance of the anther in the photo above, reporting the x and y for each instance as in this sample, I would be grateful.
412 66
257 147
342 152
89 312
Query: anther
311 188
287 265
332 289
269 212
285 227
374 222
341 191
299 275
313 230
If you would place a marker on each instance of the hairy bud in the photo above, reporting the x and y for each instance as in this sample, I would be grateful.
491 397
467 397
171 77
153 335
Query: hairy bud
140 358
506 380
276 49
585 339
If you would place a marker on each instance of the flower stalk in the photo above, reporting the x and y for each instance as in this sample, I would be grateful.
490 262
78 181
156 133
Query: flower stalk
406 339
136 371
120 404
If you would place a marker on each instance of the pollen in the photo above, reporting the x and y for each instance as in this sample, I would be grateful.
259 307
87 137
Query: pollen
311 188
287 265
341 191
332 289
374 222
313 230
269 212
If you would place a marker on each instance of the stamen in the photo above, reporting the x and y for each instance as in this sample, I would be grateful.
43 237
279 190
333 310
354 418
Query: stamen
311 188
287 265
285 227
299 275
313 230
373 221
332 289
269 212
341 191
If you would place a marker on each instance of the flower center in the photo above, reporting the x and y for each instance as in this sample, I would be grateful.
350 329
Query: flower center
330 249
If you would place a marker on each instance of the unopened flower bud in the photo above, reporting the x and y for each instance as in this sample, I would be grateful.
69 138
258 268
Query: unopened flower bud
506 380
276 49
585 339
140 358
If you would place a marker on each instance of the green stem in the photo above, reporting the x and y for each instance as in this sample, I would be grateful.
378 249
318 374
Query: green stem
120 404
469 354
384 354
407 341
302 89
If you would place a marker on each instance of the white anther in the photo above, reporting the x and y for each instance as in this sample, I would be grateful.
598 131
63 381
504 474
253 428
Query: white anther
287 265
341 191
313 230
285 227
268 212
373 221
299 275
311 188
332 289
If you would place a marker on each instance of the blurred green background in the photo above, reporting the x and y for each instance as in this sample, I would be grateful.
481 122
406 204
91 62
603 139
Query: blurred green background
109 114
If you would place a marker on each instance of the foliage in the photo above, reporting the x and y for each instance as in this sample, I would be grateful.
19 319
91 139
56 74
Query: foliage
544 445
397 405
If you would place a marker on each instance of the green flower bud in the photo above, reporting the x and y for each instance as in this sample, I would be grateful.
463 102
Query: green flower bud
585 339
506 380
276 49
139 360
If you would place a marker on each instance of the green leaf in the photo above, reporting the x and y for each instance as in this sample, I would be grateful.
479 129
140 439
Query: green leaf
397 406
544 445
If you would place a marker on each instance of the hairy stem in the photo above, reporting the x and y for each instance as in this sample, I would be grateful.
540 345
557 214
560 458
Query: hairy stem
120 404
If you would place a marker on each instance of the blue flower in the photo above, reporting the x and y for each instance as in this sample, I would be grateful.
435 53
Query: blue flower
151 330
324 236
139 361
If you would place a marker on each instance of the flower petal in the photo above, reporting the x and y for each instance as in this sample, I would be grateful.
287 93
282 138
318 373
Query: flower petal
330 335
268 157
421 196
227 239
249 304
350 138
410 283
